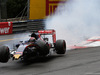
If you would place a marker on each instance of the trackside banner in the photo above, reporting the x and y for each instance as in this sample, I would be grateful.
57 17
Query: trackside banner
5 28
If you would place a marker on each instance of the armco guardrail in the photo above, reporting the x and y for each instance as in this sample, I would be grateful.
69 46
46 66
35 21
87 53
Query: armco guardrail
19 26
35 25
29 25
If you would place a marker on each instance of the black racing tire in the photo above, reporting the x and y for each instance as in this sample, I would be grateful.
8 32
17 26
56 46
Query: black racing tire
42 47
60 46
4 54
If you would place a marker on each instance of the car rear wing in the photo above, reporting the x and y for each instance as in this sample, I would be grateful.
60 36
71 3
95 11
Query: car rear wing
48 32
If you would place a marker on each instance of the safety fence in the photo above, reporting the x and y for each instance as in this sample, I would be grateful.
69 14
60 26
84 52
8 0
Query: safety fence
20 26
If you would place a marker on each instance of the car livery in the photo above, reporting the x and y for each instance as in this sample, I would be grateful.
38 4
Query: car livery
32 47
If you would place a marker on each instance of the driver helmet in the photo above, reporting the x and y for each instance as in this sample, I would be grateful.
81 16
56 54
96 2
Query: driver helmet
32 39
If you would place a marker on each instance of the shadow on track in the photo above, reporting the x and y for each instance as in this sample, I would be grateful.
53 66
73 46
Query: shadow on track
39 62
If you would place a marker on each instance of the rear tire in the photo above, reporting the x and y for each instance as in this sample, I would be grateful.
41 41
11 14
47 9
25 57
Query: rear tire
42 47
4 54
60 46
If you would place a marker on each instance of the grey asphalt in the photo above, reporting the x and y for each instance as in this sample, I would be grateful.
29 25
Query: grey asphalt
74 62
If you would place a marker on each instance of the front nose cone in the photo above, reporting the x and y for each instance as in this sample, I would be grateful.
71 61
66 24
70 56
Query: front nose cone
17 56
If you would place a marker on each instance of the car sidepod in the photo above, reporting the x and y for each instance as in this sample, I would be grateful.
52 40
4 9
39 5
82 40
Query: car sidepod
42 47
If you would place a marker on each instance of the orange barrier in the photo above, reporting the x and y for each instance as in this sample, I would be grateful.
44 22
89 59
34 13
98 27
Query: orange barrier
5 28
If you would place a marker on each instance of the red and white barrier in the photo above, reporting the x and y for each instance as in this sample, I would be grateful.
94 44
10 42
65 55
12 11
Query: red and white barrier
91 42
5 28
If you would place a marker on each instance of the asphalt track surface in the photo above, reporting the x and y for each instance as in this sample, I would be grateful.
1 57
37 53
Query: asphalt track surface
74 62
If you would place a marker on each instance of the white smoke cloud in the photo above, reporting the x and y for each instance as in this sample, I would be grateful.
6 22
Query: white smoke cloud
76 20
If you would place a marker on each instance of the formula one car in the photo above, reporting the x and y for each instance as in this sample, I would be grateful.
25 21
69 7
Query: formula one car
37 45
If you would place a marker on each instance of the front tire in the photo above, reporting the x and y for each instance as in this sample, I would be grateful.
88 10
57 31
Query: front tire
60 46
4 54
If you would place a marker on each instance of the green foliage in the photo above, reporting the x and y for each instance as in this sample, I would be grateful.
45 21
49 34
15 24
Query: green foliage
14 7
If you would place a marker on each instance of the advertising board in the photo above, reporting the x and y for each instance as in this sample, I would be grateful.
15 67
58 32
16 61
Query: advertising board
5 28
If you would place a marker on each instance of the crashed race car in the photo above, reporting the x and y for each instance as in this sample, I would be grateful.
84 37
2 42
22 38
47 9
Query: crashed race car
37 45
